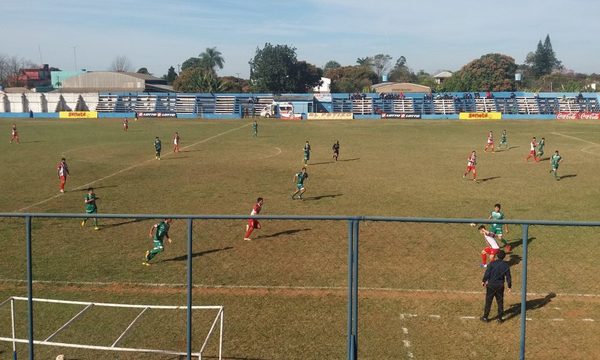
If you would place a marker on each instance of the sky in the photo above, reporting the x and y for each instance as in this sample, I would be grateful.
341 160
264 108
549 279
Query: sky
433 35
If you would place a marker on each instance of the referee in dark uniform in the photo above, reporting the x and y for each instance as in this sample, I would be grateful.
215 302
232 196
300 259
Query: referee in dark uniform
496 273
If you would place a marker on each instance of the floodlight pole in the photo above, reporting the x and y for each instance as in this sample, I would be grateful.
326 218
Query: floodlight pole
352 288
524 291
190 223
29 284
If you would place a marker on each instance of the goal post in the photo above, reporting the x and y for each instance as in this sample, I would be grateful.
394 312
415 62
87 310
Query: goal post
218 319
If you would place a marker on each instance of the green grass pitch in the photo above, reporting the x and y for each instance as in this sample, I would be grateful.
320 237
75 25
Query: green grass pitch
285 292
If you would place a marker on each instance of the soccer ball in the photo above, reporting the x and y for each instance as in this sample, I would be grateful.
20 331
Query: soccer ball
473 224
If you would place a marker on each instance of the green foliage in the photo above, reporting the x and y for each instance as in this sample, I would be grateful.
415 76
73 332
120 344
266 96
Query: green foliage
493 72
351 78
401 72
543 61
366 61
275 68
381 64
171 75
197 80
232 84
331 64
208 61
190 63
143 70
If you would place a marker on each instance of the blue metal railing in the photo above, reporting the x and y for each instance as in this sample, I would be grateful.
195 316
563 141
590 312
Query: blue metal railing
353 257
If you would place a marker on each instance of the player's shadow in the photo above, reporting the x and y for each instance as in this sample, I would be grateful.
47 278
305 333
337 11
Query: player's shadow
98 187
514 260
567 176
319 197
281 233
488 178
321 163
513 147
176 158
544 159
131 221
353 159
516 244
514 310
201 253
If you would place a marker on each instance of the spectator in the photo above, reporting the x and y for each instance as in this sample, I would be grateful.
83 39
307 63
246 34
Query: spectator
496 273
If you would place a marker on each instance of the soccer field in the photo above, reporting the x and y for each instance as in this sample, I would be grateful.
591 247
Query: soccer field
285 292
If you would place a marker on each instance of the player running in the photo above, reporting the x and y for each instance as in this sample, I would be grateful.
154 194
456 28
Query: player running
532 149
491 249
554 163
157 148
255 128
162 231
125 124
90 207
306 150
253 223
496 229
490 142
540 148
14 134
503 140
336 150
299 179
176 142
471 165
63 172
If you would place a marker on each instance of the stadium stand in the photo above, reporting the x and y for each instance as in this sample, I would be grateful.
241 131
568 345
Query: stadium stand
145 103
106 103
166 102
225 104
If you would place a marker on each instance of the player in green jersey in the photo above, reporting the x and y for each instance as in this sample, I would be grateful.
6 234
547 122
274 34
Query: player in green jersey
299 180
157 148
255 128
90 207
497 214
306 149
162 231
540 148
503 140
554 163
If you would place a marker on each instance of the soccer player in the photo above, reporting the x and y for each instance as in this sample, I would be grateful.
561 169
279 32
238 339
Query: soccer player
14 135
540 148
90 207
492 246
63 173
306 150
471 165
532 148
162 231
554 163
336 150
157 148
299 179
253 223
125 124
176 142
490 142
503 140
496 229
255 128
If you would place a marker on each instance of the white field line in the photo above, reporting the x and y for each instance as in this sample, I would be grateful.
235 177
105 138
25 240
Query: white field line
575 138
275 287
279 151
406 340
131 167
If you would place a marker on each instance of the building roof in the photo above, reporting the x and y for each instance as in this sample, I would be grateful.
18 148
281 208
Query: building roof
394 87
110 81
443 75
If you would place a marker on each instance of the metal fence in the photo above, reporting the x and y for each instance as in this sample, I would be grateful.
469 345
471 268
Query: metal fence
353 232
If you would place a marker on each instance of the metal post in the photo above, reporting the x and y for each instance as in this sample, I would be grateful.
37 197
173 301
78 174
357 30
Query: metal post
12 321
29 285
524 291
221 336
355 289
189 288
350 282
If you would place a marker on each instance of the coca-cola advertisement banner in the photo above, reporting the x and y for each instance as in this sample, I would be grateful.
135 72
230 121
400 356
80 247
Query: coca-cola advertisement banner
578 116
400 116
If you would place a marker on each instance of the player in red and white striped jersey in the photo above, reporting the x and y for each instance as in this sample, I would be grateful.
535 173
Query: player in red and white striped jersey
253 223
471 165
14 134
63 172
490 142
532 150
492 247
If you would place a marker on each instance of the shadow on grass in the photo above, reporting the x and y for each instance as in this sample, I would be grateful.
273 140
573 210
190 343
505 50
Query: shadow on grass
514 259
319 197
544 159
224 357
98 187
489 178
567 176
321 163
516 244
132 221
512 147
280 233
31 142
201 253
514 310
353 159
176 158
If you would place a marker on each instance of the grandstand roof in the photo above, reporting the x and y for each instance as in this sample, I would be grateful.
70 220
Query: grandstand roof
110 81
443 75
394 87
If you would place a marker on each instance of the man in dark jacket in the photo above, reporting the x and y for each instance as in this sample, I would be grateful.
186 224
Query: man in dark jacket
496 273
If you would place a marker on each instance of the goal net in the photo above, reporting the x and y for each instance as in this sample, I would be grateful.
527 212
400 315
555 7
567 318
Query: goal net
216 325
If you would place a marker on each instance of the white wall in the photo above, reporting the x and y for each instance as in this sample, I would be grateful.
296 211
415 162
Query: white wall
16 102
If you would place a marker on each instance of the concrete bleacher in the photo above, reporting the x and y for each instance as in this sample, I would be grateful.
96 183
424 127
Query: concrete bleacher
166 102
444 106
106 103
225 104
145 103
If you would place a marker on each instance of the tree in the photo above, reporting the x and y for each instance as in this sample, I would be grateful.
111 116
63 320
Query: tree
197 80
381 64
170 76
491 72
232 84
331 64
275 68
211 58
351 78
121 64
401 72
143 70
191 63
543 61
10 67
366 61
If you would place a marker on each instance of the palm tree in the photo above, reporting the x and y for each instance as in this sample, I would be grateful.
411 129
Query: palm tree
211 58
